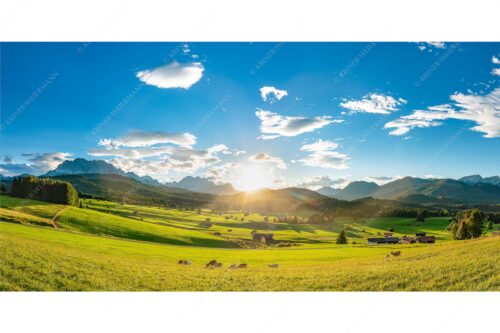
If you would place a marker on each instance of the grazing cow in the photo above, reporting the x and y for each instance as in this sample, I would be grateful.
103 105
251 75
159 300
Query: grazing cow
273 265
184 262
242 266
216 233
233 266
211 263
218 265
396 254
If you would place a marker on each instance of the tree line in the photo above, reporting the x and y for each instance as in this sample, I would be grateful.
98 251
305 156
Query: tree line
49 190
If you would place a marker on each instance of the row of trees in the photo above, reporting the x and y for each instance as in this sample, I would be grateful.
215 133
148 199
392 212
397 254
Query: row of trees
50 190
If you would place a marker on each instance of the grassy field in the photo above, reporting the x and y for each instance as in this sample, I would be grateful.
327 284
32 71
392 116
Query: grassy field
109 246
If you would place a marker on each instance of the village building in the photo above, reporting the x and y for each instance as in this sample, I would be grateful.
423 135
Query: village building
261 237
385 240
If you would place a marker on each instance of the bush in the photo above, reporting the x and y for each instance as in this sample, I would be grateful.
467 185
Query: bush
49 190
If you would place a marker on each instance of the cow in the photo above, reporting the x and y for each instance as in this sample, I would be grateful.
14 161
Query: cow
233 266
396 254
218 265
273 265
242 266
184 262
211 263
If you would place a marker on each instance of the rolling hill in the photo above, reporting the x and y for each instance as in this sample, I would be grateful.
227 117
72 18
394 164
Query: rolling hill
123 189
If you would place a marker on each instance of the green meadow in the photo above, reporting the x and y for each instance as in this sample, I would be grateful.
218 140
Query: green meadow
121 247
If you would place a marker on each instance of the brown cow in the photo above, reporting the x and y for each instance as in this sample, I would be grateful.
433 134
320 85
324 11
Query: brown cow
233 266
242 266
273 265
396 254
218 265
211 263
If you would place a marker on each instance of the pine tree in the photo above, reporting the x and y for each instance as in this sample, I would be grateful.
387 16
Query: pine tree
342 239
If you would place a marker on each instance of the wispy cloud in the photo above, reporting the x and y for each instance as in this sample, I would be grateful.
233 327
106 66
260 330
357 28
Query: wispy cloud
36 163
158 152
422 46
380 180
484 110
265 158
144 138
322 181
323 154
274 125
374 103
271 94
173 75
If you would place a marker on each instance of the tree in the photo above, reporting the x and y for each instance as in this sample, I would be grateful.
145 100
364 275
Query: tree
341 239
467 224
420 217
50 190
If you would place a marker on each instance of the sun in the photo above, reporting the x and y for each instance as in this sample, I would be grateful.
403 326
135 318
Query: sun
253 177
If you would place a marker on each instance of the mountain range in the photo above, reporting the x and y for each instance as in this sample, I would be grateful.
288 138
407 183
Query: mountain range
473 190
80 166
203 185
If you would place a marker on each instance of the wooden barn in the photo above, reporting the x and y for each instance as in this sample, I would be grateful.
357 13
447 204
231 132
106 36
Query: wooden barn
385 240
261 237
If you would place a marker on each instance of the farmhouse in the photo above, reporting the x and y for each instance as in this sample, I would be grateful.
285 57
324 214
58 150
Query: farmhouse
426 239
385 240
407 240
263 238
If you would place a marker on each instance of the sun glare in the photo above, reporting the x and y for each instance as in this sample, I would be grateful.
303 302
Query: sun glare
253 177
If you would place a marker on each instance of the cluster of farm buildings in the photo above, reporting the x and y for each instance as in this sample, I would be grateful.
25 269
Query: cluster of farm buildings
420 237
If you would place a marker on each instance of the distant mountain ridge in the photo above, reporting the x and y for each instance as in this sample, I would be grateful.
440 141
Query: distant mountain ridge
472 190
80 166
477 179
202 185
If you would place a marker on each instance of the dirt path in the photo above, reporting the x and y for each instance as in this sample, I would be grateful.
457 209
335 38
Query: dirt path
54 219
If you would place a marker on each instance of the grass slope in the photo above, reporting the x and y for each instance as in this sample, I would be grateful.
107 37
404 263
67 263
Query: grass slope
36 258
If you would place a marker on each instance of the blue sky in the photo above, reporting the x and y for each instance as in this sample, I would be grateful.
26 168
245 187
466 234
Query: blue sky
328 112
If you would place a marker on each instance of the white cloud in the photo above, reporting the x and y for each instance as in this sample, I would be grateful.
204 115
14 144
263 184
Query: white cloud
380 180
36 163
484 110
422 46
273 125
158 152
46 161
322 181
266 91
495 60
374 103
496 71
173 75
143 139
323 154
265 158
